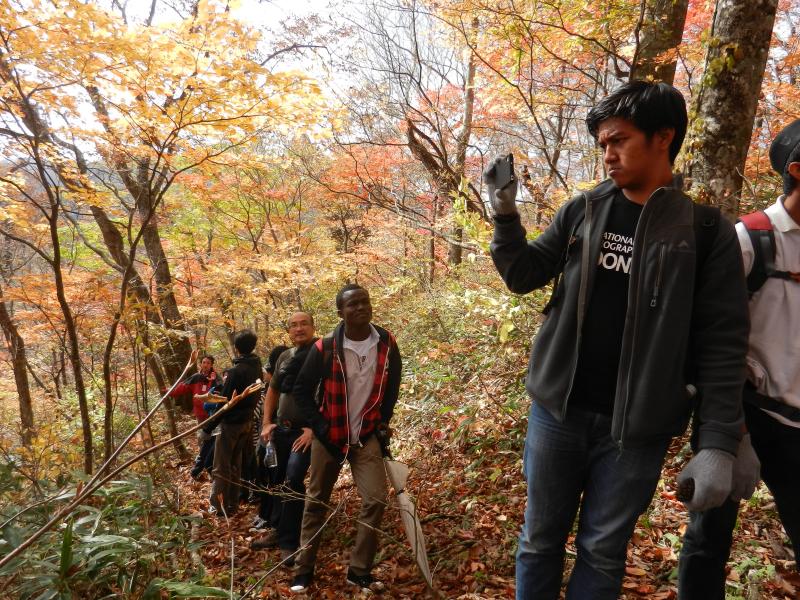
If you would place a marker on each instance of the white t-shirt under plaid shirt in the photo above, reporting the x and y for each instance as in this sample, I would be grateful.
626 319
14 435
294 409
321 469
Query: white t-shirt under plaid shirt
361 359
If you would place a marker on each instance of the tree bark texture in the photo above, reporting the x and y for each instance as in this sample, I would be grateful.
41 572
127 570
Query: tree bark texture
179 347
19 364
659 37
726 103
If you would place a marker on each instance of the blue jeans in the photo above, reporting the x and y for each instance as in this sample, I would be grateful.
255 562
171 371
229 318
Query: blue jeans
205 458
562 462
289 477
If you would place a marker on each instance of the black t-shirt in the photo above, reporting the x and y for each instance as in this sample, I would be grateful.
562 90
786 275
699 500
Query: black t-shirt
595 381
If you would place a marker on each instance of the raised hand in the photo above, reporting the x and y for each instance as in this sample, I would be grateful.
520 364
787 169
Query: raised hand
503 200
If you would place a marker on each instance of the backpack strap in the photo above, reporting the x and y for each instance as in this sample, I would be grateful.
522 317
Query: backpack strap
762 237
560 268
706 225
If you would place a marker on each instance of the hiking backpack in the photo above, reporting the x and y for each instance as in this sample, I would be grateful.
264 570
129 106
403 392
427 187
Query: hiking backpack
762 236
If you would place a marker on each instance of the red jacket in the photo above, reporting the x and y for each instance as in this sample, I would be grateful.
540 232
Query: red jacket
196 384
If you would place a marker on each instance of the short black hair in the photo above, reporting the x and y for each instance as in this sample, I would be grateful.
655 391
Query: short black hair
789 182
650 106
273 358
209 357
348 288
245 341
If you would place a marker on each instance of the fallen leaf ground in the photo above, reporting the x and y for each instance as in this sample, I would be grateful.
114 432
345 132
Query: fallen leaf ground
471 515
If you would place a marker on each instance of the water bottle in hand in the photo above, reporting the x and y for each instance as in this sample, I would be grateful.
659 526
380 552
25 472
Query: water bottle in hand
270 456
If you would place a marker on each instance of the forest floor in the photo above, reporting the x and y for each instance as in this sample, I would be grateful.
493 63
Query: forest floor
471 515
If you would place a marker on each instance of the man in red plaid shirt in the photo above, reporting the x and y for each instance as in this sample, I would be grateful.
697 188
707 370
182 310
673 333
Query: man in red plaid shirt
359 368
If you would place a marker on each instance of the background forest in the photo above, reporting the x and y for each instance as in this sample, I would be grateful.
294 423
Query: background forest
172 171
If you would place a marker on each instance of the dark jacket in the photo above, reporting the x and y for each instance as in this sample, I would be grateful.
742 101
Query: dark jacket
672 314
246 370
329 419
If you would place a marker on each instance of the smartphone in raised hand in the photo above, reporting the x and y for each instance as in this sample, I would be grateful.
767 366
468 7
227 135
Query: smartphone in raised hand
504 171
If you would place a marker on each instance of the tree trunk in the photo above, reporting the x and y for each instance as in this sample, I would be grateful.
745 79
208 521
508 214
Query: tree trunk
179 347
660 35
73 345
19 364
726 103
41 135
455 251
134 287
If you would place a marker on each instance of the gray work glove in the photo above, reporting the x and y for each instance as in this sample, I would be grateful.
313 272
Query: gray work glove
712 471
746 471
503 200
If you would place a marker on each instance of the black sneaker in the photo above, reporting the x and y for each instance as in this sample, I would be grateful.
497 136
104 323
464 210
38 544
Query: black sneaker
301 582
365 582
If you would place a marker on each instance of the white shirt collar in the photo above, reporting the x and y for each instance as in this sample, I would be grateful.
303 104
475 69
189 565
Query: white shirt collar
372 340
780 218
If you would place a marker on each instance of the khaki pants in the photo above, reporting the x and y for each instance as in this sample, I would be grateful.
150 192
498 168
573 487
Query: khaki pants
366 465
227 465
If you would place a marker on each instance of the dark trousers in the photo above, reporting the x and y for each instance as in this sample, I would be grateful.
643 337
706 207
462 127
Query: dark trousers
205 458
265 478
289 486
707 541
248 469
227 464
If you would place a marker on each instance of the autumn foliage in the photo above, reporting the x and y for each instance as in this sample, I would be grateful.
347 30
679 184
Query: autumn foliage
169 175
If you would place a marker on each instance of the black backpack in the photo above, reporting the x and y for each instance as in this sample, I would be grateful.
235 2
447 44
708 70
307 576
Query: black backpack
762 236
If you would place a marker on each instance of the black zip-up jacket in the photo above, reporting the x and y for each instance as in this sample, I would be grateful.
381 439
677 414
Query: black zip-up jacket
680 327
246 369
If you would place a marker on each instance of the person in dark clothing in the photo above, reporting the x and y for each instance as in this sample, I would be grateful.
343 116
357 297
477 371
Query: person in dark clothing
235 425
357 369
266 517
198 384
291 436
639 311
771 394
